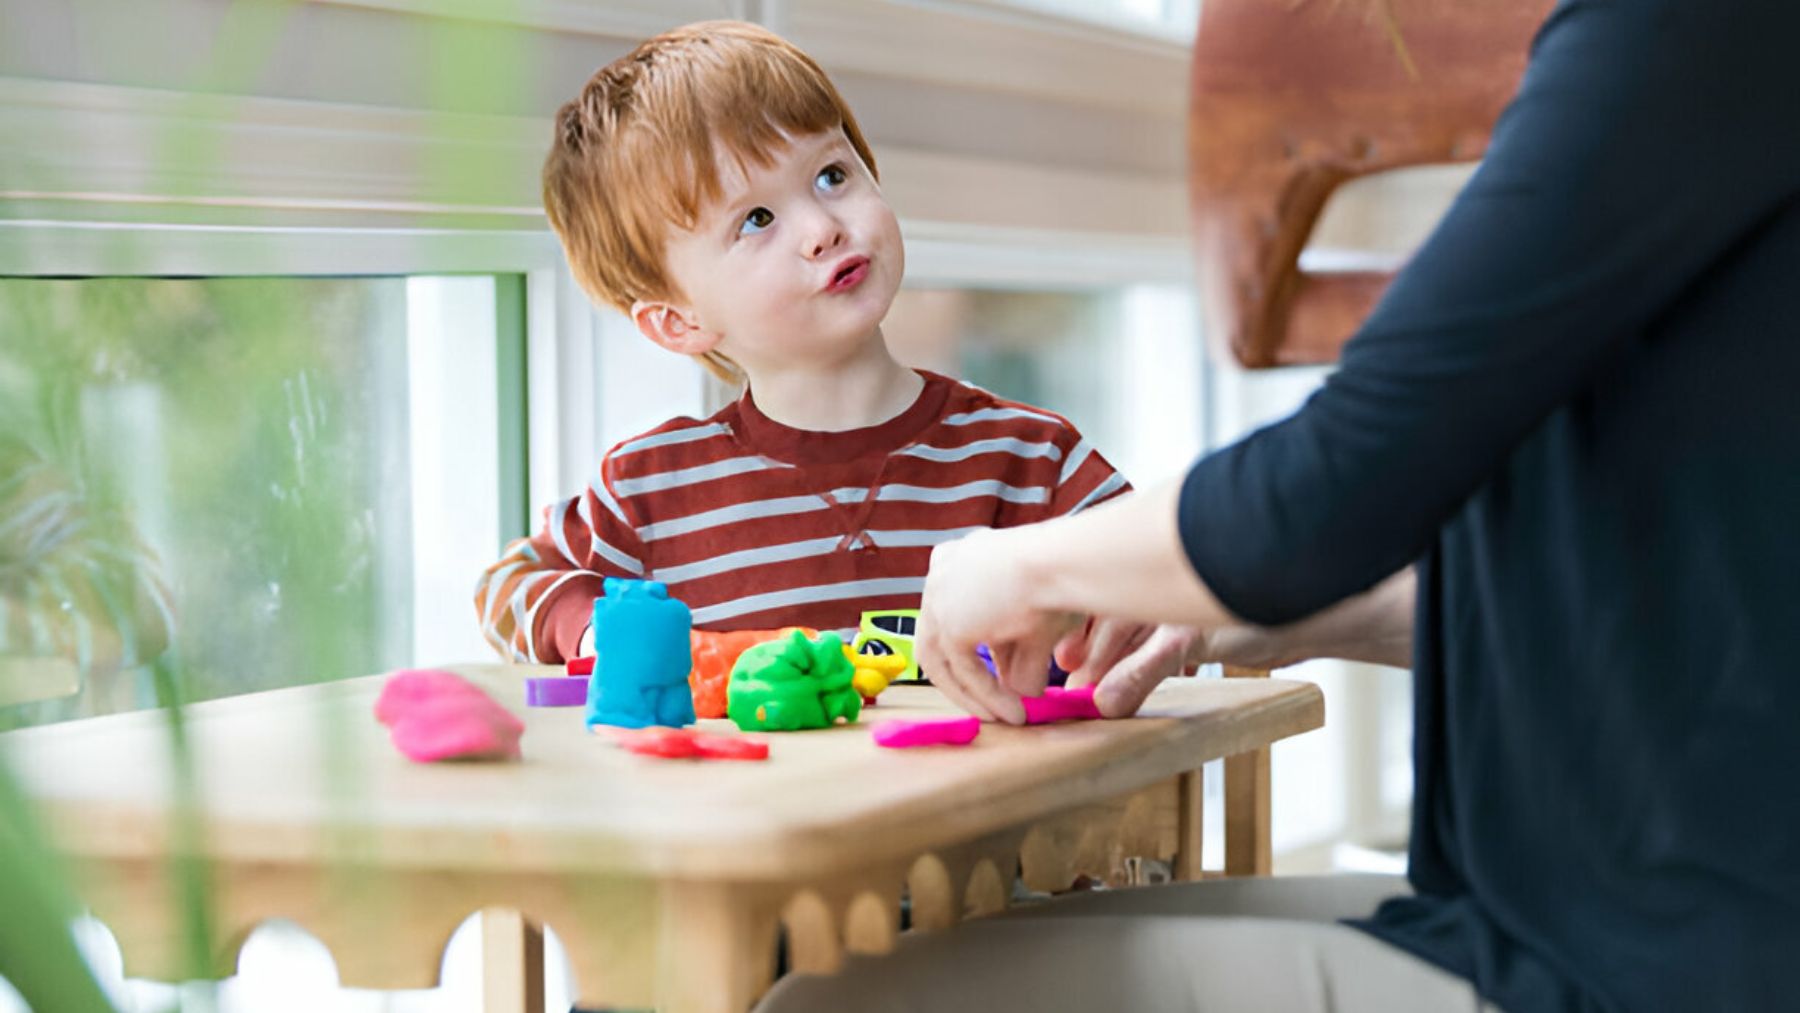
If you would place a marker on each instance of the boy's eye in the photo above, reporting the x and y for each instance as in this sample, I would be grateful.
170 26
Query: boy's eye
831 177
757 220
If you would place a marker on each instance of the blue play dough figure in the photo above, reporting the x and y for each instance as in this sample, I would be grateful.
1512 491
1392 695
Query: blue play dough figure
641 657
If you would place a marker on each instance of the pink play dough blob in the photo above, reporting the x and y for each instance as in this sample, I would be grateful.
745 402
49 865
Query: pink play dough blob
904 733
437 715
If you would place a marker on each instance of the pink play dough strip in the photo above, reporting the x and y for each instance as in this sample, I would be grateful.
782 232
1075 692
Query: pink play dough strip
1059 704
904 733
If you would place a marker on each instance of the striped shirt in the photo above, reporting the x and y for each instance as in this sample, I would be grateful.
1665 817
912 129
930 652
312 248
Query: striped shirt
757 525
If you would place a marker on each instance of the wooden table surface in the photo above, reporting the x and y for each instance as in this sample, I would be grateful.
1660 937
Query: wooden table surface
298 782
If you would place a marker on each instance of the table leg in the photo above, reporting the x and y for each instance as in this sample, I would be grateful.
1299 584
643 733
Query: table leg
715 949
1190 826
1247 849
512 962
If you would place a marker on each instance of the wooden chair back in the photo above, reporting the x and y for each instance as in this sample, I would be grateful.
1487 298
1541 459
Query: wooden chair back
1291 98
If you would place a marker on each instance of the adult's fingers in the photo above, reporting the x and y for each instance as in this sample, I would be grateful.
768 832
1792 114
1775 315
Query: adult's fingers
1024 665
961 676
1001 703
1125 687
1072 649
935 664
1109 642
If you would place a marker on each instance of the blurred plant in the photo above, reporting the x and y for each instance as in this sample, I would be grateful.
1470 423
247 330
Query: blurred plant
233 427
37 949
77 580
229 426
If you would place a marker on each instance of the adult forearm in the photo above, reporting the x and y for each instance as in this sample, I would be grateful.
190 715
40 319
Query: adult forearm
1123 559
1375 626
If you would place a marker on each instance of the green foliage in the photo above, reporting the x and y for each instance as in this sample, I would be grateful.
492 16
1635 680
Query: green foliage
228 425
193 471
37 951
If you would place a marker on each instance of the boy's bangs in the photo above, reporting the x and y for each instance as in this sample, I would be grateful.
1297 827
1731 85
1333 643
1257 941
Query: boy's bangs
643 149
747 118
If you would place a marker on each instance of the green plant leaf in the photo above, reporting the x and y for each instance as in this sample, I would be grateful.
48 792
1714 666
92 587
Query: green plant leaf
37 949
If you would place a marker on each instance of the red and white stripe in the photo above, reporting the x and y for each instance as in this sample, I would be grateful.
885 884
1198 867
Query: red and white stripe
754 531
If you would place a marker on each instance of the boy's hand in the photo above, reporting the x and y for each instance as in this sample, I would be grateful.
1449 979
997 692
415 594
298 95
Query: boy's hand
1124 661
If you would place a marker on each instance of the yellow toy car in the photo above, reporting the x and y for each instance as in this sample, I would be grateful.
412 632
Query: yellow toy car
889 633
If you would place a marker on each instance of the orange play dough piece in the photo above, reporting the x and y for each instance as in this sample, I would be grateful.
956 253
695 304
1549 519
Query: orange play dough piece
715 653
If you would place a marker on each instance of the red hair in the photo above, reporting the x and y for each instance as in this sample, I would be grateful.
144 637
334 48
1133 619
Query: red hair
637 152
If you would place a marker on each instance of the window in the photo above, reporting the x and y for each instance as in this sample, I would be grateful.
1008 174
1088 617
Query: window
226 469
1122 362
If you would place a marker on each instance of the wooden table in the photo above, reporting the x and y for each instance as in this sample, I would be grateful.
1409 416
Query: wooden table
668 881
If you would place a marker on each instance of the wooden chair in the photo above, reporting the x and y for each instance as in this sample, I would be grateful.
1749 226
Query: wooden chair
1290 99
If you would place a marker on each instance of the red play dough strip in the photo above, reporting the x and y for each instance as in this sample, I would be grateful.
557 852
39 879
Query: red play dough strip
669 743
730 747
905 733
687 744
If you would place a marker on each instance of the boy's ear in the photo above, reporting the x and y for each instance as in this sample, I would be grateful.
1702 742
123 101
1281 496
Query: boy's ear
672 327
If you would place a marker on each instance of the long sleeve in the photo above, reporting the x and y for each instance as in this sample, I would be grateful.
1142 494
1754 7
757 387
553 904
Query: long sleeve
1647 141
537 600
1086 479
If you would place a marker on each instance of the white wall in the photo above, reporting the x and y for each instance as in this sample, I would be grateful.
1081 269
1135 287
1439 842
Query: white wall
388 111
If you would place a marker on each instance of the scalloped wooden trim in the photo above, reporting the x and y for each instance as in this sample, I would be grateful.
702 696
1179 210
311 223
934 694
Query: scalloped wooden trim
677 946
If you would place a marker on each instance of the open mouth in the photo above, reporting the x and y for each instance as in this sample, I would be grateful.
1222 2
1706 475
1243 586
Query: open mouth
849 274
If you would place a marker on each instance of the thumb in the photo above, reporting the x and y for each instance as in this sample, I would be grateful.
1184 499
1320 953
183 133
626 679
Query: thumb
1123 689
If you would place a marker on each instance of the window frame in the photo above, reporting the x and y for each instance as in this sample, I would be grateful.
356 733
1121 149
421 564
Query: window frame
540 366
558 346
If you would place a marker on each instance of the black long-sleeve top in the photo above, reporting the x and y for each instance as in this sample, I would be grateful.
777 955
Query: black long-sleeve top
1578 411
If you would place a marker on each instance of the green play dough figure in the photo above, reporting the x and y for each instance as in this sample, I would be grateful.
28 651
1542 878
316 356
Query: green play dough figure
792 684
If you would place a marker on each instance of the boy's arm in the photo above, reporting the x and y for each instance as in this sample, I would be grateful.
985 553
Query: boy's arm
536 603
1085 479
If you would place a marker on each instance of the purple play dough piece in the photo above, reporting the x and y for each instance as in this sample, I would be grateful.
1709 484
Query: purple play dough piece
557 691
1058 674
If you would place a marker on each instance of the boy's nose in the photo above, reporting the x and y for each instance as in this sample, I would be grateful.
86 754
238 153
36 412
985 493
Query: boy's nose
827 237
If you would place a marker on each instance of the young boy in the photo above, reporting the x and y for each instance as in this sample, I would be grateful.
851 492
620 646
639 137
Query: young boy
713 185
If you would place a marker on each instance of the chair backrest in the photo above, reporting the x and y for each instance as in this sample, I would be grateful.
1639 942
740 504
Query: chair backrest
1291 98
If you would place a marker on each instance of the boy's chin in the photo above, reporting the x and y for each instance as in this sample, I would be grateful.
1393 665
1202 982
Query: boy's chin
854 325
845 346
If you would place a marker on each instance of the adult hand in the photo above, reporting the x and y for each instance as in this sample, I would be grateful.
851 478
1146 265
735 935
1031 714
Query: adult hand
978 591
1124 661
